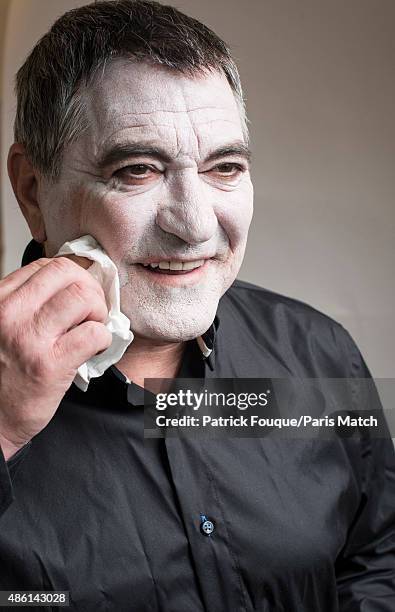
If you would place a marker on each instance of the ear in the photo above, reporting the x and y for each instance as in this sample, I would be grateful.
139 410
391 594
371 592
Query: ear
24 180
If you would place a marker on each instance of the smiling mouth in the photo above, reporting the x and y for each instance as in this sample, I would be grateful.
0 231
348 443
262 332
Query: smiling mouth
174 268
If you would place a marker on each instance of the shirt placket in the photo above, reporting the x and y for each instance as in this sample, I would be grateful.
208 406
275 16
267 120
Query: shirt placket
205 522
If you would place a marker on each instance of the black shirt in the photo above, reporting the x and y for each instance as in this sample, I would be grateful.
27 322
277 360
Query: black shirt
92 507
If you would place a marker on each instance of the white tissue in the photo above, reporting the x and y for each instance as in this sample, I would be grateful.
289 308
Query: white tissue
105 271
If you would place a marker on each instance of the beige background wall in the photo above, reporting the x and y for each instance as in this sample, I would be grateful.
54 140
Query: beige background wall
319 81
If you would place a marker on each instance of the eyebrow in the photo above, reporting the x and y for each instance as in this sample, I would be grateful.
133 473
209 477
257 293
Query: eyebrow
123 151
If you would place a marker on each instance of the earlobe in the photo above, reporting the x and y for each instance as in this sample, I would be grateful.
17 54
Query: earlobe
24 180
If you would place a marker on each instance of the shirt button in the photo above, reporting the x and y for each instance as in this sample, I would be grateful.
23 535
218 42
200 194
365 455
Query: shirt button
207 527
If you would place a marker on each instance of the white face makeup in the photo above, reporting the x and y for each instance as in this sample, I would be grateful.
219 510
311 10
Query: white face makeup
160 175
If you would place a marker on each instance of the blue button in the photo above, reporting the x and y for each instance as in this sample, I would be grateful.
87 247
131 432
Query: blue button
206 526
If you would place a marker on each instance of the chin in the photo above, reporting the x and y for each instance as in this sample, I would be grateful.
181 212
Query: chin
172 328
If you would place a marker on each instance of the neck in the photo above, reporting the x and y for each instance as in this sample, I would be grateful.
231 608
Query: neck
146 358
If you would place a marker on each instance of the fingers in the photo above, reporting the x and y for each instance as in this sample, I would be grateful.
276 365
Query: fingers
15 279
81 343
69 307
58 299
46 280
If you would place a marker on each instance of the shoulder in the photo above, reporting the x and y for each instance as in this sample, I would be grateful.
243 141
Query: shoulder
304 333
243 297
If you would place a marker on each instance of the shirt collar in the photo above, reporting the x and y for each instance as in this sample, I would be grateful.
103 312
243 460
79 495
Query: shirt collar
206 343
33 251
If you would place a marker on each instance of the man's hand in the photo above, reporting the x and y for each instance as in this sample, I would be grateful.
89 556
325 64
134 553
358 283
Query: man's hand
52 316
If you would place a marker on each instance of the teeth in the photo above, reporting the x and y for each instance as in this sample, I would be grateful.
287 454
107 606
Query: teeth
190 265
176 265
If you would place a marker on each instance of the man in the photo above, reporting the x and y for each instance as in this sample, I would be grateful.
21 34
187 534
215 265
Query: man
131 127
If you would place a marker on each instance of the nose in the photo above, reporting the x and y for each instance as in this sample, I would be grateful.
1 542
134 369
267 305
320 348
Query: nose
187 211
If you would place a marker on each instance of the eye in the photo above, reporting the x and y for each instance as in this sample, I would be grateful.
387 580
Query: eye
228 170
136 173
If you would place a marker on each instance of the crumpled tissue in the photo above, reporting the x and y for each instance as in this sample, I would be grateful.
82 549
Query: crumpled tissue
105 271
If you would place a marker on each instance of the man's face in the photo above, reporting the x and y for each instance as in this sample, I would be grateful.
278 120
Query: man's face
159 175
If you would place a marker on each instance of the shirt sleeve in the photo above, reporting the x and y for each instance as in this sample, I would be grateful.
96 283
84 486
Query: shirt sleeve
365 568
8 470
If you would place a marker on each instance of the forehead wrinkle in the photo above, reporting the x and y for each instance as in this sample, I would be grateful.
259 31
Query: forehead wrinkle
108 139
128 90
191 126
136 115
151 114
182 110
149 124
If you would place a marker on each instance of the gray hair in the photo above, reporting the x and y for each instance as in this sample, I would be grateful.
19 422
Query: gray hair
50 84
